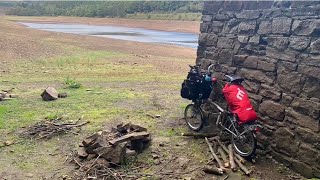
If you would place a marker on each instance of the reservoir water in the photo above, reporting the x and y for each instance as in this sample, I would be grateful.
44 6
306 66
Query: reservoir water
124 33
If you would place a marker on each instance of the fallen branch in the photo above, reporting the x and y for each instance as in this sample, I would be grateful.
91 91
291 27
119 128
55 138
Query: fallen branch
224 157
231 158
198 135
242 167
212 170
214 154
227 151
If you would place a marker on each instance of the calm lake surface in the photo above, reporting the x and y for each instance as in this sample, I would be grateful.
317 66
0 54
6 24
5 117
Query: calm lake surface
124 33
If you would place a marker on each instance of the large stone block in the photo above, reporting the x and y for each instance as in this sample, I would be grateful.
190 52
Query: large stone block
285 141
252 86
226 56
288 66
281 25
305 11
278 42
251 62
202 39
248 14
302 168
231 26
306 27
287 55
299 43
290 81
265 27
302 120
309 70
306 107
204 27
243 39
247 27
315 47
270 92
308 154
286 99
311 60
264 65
307 135
272 109
211 39
254 40
311 88
256 75
206 18
211 55
225 43
215 27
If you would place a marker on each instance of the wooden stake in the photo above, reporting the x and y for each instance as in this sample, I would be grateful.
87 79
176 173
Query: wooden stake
224 157
214 154
231 157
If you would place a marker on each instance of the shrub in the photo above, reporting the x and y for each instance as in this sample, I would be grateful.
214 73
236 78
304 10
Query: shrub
71 83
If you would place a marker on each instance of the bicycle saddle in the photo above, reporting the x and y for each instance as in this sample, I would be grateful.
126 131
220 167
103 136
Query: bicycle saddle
234 78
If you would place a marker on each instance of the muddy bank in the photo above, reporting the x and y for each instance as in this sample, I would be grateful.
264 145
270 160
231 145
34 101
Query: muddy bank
163 25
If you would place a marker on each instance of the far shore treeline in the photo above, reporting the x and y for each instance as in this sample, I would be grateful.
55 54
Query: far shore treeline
179 10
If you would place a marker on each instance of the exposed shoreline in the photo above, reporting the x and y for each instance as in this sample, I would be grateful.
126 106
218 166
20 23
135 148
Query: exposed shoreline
162 25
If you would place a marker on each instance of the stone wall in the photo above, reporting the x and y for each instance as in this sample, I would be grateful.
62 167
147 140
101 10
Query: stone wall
275 46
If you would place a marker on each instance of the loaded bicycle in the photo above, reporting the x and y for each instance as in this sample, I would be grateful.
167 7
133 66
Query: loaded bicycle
240 124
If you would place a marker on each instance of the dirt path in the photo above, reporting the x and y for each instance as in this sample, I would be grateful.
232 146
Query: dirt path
127 81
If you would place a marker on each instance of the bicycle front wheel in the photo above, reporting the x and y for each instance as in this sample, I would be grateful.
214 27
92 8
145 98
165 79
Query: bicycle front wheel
193 117
245 144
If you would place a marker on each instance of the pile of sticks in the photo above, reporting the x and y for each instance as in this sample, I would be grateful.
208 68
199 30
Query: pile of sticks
49 128
229 158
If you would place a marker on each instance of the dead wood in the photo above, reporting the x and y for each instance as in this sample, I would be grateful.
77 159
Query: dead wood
242 167
127 137
49 128
212 170
231 158
198 135
214 154
227 151
224 157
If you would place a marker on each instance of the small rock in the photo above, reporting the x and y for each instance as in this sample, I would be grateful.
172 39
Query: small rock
49 94
82 152
8 143
63 95
155 156
157 162
91 156
29 175
157 115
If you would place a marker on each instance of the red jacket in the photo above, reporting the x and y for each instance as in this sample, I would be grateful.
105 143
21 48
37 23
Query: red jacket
239 102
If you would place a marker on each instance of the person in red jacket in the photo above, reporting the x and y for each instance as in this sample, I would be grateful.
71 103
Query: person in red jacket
239 102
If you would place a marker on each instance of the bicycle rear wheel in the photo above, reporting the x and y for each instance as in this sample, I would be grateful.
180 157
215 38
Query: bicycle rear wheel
193 117
245 145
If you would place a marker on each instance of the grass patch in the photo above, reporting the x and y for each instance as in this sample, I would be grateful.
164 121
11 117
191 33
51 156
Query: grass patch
71 83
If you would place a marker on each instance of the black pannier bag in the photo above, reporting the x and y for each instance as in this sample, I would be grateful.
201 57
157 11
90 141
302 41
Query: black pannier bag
195 86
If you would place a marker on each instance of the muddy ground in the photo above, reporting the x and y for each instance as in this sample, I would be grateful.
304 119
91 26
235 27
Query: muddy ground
121 81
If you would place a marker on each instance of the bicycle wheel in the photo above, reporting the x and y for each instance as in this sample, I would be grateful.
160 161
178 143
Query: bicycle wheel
245 145
193 116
